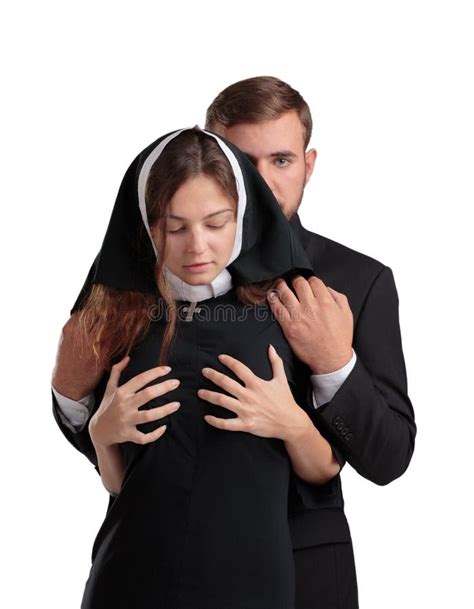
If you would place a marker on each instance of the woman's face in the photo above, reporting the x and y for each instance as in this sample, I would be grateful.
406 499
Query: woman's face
200 228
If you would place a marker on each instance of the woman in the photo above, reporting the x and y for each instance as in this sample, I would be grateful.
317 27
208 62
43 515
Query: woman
198 518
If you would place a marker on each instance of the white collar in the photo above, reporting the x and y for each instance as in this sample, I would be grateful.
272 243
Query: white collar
195 293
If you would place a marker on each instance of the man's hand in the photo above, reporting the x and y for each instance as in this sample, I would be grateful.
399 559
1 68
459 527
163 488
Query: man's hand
117 418
317 322
76 372
264 408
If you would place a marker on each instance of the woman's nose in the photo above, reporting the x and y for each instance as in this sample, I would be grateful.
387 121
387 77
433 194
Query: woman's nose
197 242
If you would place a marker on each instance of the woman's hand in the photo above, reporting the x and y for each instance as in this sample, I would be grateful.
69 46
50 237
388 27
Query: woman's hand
263 408
117 416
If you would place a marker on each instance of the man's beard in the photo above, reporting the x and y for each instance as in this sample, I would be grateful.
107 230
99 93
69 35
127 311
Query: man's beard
289 215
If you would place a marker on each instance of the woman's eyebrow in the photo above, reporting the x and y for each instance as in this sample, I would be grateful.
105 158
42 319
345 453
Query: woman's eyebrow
205 217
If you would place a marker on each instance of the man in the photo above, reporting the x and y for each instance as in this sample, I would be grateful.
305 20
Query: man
343 324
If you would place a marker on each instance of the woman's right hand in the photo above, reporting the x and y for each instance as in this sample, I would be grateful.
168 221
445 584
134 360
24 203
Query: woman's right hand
117 416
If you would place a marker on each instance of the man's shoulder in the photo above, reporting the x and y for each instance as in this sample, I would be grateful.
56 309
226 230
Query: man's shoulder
344 268
345 253
331 252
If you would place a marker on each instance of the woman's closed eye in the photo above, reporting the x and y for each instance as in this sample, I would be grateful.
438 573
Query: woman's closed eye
211 226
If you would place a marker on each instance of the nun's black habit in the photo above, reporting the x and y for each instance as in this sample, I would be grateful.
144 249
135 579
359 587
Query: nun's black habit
201 520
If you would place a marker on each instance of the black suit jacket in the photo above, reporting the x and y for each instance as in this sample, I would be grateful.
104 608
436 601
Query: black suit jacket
369 422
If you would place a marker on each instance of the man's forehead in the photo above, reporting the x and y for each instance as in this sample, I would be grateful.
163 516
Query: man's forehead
281 136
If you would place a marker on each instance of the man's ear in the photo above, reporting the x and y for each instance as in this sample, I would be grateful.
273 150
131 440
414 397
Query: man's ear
310 160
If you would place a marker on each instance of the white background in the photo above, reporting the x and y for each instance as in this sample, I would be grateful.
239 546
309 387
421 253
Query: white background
88 85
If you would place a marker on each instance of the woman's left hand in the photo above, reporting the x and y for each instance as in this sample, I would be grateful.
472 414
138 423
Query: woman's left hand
263 408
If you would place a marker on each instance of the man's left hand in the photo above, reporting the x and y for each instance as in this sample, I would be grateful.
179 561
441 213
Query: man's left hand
317 323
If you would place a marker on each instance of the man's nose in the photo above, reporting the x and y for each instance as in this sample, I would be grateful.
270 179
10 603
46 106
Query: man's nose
265 171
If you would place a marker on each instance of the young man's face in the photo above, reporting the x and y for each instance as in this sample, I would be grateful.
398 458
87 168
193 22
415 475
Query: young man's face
276 148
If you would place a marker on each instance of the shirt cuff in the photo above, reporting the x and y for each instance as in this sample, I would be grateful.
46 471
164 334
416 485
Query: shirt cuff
76 411
325 386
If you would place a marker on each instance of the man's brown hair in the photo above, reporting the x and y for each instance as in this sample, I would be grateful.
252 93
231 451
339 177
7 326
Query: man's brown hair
254 100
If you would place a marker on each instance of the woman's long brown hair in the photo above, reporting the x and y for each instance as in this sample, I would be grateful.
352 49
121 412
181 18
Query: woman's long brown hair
114 320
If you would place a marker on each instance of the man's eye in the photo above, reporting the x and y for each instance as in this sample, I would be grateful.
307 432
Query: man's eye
284 160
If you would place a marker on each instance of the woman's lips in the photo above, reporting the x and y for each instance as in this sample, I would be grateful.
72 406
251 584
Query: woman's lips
197 268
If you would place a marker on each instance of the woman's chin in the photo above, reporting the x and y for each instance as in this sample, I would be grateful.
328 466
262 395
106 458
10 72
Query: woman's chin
199 278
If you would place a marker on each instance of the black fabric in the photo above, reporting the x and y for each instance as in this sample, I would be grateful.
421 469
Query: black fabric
201 519
370 421
326 577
